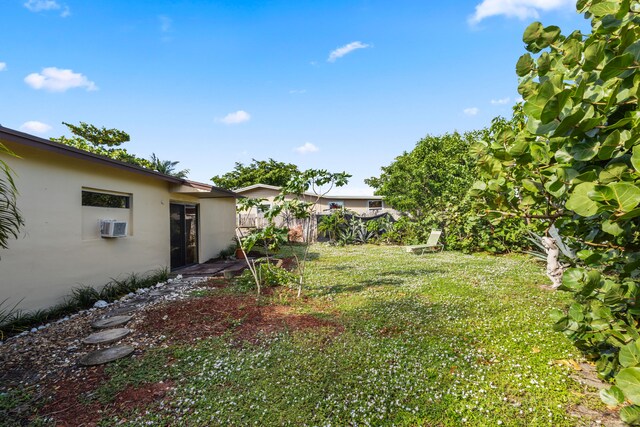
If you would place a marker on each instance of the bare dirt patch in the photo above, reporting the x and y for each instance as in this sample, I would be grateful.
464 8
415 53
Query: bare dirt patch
242 316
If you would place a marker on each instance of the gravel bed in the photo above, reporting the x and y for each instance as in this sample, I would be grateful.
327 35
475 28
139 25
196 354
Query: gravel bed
51 350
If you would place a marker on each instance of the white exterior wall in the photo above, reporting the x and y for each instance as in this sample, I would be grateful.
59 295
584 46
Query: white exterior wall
58 248
217 226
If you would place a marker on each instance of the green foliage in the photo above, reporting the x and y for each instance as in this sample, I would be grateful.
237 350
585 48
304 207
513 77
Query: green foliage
107 142
167 167
344 227
330 225
269 238
269 172
439 170
575 165
10 218
269 276
99 137
297 199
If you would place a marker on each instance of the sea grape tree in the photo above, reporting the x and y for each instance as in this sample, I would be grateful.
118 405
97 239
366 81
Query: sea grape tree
576 165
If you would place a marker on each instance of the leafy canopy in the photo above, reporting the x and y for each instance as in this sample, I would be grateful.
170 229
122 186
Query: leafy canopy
107 142
576 165
268 172
439 170
167 167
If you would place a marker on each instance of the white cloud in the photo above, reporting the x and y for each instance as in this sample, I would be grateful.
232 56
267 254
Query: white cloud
348 48
35 127
307 147
471 111
239 116
297 91
165 23
58 80
3 66
522 9
45 5
501 101
40 5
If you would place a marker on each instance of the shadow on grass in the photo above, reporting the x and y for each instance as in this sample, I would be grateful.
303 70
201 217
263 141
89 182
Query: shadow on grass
410 316
340 288
414 272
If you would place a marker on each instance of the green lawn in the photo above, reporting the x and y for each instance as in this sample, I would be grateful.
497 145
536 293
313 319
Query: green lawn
442 339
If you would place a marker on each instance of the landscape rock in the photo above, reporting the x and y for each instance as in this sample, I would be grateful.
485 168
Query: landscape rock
107 336
100 357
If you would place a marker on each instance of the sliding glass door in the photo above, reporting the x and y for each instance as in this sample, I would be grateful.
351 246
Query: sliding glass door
184 235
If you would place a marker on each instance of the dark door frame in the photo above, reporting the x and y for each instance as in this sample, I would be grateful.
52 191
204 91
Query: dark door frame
180 255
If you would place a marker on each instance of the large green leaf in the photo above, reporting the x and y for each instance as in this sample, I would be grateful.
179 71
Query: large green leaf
604 8
549 35
635 158
532 32
627 195
575 312
628 380
569 122
533 107
630 415
609 145
616 66
630 355
601 193
574 278
585 150
612 396
544 63
524 65
554 106
593 55
612 228
579 201
613 172
572 52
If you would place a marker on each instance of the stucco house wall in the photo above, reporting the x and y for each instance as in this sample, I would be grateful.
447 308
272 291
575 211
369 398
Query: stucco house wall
60 248
358 204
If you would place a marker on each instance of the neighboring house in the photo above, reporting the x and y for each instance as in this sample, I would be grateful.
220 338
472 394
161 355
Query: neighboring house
65 194
361 205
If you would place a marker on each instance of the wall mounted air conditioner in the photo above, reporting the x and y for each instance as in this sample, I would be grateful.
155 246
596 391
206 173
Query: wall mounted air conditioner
113 228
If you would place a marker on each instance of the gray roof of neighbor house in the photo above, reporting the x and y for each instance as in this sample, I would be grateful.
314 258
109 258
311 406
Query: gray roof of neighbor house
326 196
17 137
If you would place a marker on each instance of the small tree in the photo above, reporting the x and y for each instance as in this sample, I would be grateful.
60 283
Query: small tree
297 199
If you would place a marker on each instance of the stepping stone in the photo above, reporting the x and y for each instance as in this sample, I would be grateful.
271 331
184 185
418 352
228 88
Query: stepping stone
106 355
110 322
108 336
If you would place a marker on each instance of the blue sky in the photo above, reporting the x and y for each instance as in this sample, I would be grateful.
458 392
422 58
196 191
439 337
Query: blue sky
340 85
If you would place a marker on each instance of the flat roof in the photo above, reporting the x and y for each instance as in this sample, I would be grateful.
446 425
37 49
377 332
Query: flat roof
326 196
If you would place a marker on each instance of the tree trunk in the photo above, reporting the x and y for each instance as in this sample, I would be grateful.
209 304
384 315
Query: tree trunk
554 268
